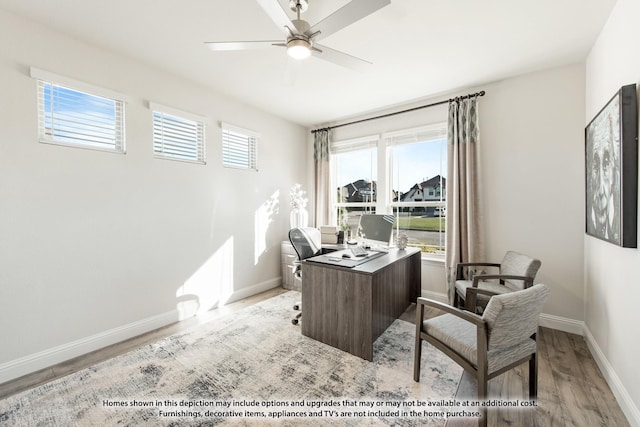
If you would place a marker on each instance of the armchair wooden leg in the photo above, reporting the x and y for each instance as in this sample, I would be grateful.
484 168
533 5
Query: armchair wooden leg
483 392
417 353
416 360
533 376
470 302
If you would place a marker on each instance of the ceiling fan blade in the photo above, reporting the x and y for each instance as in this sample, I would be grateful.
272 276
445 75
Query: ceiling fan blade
341 58
346 15
277 14
218 46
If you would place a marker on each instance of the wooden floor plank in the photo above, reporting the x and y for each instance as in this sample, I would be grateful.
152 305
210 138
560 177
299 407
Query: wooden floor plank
549 411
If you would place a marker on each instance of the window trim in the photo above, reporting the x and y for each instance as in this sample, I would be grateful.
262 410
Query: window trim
46 77
155 107
72 83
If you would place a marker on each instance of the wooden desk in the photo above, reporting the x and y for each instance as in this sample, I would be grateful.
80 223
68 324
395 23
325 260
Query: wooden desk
348 308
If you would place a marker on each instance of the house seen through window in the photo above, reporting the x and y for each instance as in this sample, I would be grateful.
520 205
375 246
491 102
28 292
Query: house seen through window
415 190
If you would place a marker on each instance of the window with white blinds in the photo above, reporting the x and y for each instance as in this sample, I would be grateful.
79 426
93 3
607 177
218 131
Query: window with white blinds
71 116
177 135
239 147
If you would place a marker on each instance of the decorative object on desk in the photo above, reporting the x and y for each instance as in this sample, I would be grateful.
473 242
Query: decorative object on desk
257 357
299 216
402 241
329 234
611 148
344 224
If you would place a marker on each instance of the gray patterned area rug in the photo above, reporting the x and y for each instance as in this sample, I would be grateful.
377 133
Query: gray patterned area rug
249 368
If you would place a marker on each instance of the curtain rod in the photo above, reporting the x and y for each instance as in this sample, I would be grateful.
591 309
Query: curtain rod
457 98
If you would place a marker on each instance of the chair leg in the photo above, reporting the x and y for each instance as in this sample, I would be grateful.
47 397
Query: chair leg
417 353
416 359
296 319
533 376
483 391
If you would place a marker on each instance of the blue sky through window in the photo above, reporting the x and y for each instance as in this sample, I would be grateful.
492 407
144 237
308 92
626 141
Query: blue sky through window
72 116
417 162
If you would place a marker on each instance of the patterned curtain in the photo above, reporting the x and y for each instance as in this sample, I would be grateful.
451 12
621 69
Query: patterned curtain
323 212
464 235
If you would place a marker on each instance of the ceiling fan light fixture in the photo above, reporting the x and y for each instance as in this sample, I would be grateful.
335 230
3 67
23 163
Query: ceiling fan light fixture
299 48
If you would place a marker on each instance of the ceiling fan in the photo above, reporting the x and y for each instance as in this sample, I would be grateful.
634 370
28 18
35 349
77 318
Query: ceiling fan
301 38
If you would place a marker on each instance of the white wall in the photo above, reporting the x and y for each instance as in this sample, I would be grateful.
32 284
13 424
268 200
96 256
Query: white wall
612 276
96 247
532 154
531 136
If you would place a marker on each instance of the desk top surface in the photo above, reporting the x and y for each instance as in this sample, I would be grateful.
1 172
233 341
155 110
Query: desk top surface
368 266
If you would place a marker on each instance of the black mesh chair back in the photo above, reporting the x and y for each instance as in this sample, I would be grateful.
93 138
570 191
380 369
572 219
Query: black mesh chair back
305 241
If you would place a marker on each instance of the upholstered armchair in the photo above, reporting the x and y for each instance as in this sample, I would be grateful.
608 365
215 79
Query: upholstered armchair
486 346
474 286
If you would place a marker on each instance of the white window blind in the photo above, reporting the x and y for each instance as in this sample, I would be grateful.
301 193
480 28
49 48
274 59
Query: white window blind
239 147
425 133
67 116
177 137
355 144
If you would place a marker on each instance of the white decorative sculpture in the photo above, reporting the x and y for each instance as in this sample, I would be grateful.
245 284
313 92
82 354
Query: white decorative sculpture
402 241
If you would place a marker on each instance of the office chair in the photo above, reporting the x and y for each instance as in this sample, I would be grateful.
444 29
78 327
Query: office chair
307 243
486 346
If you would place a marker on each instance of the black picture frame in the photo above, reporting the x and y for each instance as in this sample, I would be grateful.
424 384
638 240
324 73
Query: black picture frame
611 170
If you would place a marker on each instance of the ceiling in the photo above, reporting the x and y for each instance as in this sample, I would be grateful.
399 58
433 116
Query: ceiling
419 48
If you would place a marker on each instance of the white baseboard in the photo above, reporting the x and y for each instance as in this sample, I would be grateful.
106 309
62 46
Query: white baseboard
625 401
52 356
562 324
255 289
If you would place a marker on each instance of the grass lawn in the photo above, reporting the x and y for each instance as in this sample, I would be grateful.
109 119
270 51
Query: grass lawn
418 223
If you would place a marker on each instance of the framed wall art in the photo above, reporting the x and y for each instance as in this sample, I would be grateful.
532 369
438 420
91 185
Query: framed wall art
611 163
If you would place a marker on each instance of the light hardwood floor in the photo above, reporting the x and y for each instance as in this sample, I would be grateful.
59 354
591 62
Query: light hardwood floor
572 391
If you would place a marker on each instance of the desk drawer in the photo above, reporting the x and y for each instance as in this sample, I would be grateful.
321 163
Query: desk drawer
287 248
288 259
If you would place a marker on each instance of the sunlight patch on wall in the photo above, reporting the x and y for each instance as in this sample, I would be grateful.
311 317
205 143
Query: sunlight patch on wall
210 286
263 217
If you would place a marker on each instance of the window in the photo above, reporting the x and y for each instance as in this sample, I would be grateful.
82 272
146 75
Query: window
354 172
412 187
417 166
177 135
77 114
239 147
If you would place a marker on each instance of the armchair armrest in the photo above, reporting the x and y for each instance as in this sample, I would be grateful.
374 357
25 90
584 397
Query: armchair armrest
528 281
472 292
465 315
461 265
472 297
